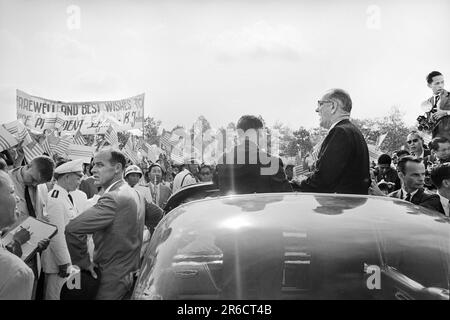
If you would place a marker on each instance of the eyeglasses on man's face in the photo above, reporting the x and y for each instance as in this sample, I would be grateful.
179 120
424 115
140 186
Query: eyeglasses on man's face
412 141
320 103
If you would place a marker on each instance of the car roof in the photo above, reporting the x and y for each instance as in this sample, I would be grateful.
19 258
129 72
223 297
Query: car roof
323 212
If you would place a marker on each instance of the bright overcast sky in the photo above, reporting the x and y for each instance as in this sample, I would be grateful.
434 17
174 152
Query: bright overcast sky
222 59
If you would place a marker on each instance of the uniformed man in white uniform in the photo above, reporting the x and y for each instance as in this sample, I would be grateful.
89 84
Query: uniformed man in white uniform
60 210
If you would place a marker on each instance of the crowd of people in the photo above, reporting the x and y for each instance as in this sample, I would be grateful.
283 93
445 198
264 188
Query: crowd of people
106 211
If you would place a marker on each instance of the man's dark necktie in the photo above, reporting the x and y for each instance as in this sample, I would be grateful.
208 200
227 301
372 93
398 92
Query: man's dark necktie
408 197
436 100
70 198
30 207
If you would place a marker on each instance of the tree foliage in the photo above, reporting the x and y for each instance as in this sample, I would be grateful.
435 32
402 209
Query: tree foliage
151 130
392 124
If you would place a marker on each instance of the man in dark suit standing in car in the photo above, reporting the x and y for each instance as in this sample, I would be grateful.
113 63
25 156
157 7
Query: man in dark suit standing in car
343 160
247 168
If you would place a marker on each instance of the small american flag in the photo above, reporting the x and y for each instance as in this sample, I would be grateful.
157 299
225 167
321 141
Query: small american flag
177 158
50 122
77 151
7 140
129 152
18 129
63 145
374 152
300 170
46 146
145 148
59 121
164 140
177 154
111 136
32 151
79 139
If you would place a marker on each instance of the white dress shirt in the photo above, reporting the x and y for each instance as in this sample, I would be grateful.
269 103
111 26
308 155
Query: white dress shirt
404 194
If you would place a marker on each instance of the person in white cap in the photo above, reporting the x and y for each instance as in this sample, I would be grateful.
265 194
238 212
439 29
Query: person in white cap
60 210
133 175
187 176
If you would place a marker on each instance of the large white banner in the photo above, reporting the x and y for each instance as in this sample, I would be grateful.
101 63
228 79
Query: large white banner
91 117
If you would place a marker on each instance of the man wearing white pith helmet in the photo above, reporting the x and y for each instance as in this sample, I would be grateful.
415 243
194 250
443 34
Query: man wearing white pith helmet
133 174
187 176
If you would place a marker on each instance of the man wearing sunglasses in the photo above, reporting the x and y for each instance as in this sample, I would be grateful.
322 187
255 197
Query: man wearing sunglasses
60 210
343 160
416 146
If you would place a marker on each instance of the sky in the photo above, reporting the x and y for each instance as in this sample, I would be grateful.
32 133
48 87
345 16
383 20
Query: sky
223 59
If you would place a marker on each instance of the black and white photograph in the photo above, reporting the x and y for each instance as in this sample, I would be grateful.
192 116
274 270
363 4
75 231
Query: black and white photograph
244 152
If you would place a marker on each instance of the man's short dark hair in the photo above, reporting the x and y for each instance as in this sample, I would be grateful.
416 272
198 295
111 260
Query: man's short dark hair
45 166
434 144
384 159
118 157
401 166
289 166
343 97
249 122
156 165
431 75
439 173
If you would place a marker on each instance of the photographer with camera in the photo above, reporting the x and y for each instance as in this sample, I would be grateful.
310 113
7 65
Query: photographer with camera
437 107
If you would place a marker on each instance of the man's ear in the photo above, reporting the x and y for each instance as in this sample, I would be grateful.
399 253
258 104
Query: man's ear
335 107
446 183
429 85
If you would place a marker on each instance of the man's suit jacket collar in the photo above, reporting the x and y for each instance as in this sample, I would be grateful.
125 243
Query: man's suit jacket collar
445 95
342 121
417 195
323 142
115 185
401 194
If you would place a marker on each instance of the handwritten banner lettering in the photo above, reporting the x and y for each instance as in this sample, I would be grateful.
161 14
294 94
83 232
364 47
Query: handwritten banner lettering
91 117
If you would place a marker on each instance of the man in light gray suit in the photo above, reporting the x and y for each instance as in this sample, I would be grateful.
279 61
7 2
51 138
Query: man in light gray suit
117 224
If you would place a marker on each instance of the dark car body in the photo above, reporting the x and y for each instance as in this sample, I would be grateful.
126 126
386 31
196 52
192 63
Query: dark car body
297 246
